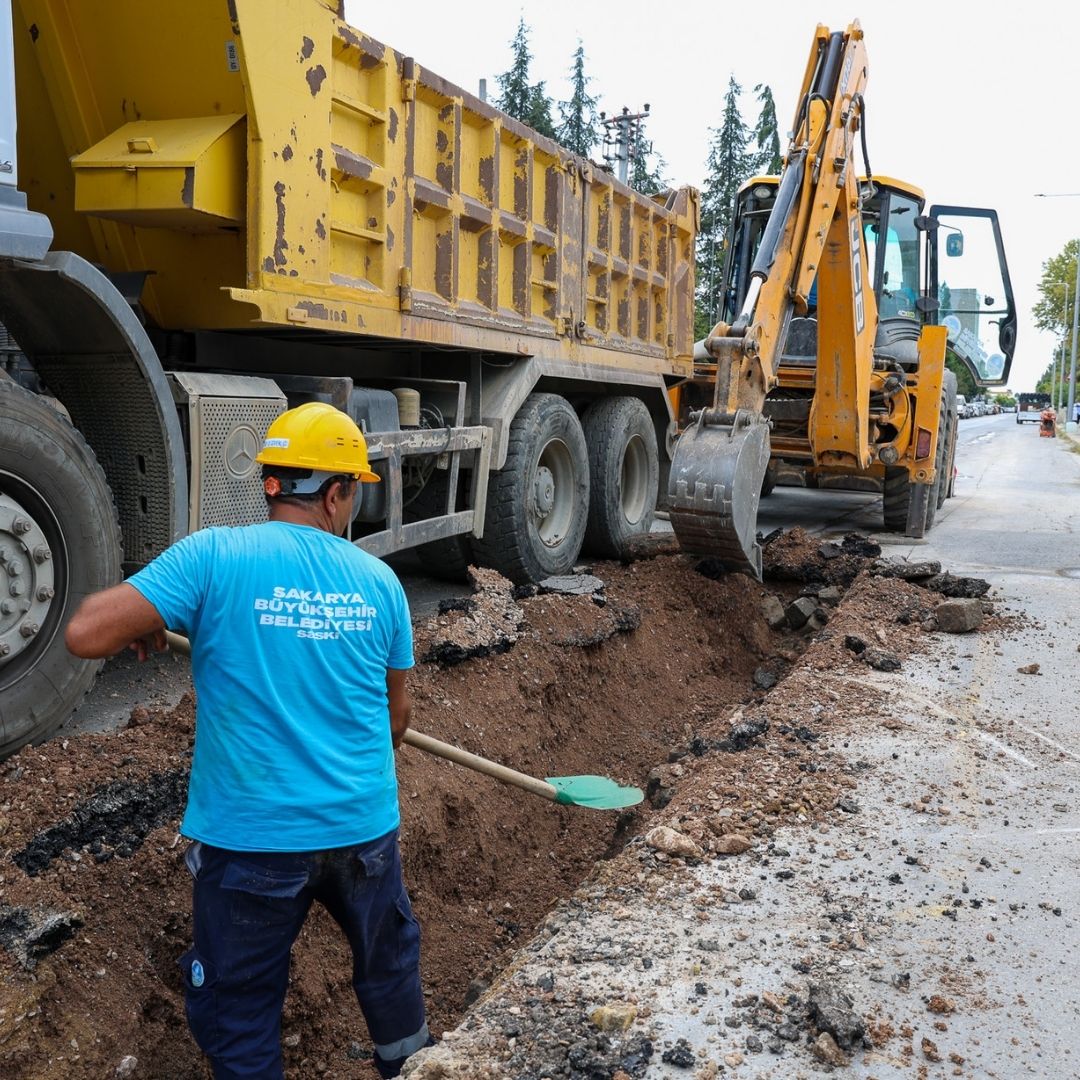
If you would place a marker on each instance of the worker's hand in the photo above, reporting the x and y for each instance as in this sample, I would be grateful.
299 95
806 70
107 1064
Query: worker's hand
152 642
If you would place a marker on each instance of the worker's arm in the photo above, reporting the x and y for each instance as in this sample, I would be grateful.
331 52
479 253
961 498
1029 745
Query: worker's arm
107 621
400 704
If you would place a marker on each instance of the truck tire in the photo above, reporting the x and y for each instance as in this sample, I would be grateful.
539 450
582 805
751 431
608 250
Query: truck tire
58 529
624 472
947 484
451 557
897 492
538 502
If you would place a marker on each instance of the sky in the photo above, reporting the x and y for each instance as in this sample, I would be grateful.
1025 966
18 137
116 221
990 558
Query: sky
976 103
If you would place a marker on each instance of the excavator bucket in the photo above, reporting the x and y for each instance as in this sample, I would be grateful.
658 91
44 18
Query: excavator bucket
715 486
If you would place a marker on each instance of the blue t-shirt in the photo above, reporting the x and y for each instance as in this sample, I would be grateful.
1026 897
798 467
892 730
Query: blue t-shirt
292 631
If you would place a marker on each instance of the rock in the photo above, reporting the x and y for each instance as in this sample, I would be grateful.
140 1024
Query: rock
681 1055
831 595
799 611
743 733
857 544
616 1016
660 786
765 679
948 585
1029 669
128 1064
943 1006
829 551
831 1012
474 990
488 623
882 660
754 1044
959 615
908 571
930 1050
291 1041
572 585
855 644
31 934
732 844
772 611
825 1049
671 842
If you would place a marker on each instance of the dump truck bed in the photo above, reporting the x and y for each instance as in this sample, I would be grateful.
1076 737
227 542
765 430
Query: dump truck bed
293 172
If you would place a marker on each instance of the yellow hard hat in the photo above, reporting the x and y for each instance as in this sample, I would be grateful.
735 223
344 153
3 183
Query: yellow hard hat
319 437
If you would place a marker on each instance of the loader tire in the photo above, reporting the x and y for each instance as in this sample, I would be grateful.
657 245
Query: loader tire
58 529
948 405
538 502
624 473
451 557
897 493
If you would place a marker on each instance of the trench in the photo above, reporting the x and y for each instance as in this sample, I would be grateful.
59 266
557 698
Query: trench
484 864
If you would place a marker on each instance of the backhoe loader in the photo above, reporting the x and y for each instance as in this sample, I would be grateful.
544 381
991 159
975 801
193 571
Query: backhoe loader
841 300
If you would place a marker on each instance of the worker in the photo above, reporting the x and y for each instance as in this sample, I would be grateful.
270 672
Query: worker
300 645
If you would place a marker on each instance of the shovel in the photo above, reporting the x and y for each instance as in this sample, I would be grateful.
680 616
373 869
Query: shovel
597 792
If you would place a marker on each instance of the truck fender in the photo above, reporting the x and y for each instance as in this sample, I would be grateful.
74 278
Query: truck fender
96 358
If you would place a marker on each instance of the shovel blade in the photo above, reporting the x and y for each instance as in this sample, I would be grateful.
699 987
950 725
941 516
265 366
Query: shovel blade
599 792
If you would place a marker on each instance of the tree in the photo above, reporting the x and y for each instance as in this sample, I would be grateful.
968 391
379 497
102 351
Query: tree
578 131
643 176
729 163
965 382
766 134
1058 271
538 116
523 100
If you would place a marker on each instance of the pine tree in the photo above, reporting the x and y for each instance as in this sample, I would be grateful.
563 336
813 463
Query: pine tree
523 100
539 111
729 163
643 174
514 82
578 131
766 134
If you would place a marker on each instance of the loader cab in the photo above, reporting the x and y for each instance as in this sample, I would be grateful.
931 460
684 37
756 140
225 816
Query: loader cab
956 277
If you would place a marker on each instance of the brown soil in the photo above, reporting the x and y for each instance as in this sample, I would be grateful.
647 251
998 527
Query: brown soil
580 691
644 682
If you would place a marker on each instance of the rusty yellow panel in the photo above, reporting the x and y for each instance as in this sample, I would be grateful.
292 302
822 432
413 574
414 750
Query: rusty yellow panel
362 192
477 157
166 173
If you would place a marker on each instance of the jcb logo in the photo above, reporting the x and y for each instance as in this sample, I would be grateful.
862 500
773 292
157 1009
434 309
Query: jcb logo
857 278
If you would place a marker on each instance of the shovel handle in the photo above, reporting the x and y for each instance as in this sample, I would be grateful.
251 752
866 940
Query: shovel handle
481 765
180 644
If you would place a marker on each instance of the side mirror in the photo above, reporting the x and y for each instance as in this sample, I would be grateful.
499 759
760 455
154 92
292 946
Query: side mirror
954 245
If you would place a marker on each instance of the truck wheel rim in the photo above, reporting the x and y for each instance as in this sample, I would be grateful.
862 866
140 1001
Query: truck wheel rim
31 575
553 493
634 484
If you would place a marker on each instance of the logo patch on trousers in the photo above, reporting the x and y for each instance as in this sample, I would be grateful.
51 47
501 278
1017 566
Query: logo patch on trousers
198 976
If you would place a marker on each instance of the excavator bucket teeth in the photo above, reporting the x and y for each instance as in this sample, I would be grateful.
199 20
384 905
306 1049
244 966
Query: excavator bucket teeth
715 486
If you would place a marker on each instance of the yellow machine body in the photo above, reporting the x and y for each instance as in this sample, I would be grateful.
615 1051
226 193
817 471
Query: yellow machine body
293 172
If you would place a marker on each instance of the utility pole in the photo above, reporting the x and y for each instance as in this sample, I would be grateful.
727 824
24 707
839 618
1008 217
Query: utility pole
622 139
1076 313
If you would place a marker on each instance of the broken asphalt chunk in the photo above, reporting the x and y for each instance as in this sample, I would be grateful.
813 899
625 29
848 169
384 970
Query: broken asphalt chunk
959 615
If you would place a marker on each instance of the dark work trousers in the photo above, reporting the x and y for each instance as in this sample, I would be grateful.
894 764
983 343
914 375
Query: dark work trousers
249 908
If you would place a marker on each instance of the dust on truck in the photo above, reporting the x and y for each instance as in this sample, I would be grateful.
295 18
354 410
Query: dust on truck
217 209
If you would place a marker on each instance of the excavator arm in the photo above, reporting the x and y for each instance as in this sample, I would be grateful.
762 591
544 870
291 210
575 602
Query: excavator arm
814 233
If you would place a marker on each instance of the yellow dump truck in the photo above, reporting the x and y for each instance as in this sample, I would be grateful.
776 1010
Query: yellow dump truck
211 210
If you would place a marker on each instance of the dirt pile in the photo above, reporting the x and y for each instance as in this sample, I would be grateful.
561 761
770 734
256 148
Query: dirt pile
94 897
666 678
